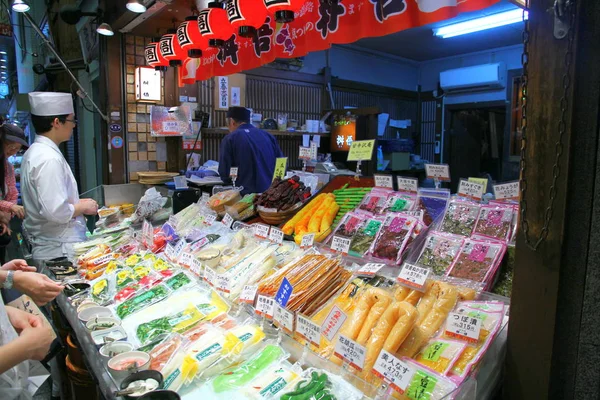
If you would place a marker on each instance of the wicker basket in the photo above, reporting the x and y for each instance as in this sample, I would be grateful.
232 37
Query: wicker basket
276 218
155 177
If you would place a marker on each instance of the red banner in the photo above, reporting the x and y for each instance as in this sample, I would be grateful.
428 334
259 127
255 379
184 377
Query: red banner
317 26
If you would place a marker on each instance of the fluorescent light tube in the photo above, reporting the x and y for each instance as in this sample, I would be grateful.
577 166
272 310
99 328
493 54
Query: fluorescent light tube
481 24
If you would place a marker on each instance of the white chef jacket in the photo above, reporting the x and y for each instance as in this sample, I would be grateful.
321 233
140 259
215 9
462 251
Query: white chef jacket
13 383
49 193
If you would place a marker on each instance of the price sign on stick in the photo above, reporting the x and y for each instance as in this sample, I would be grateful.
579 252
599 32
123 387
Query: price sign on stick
227 220
148 233
384 181
248 294
507 191
463 327
305 153
332 324
405 184
347 349
471 190
340 244
394 371
369 269
361 150
265 306
280 166
205 197
413 276
307 240
439 172
283 319
261 230
308 330
233 172
276 235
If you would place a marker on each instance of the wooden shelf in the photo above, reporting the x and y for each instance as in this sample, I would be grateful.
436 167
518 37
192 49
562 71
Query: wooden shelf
223 131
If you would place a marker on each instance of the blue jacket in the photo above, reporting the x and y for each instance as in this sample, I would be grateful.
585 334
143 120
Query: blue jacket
254 152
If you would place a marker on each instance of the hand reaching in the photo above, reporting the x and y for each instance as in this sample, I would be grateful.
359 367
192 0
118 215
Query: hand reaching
37 286
18 265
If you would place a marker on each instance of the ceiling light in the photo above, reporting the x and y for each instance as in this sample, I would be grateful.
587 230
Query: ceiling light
3 60
2 52
20 6
481 24
135 6
3 66
105 29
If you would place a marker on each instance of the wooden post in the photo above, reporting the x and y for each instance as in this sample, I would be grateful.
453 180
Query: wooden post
552 338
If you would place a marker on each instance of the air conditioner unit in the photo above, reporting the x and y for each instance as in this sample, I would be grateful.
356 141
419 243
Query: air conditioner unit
471 79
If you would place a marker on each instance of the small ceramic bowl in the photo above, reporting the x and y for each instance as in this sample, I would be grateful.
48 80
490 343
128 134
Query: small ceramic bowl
102 337
86 304
75 288
160 395
139 376
122 365
94 312
210 257
110 350
102 323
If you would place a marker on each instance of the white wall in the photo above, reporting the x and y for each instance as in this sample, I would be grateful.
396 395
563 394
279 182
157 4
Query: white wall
365 66
430 72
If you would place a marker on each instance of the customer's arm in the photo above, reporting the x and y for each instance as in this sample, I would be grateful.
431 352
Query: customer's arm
37 286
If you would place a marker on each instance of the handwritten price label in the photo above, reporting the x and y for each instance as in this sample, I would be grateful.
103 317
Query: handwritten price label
186 259
307 240
210 276
463 327
265 306
205 197
199 244
233 172
332 324
441 172
103 260
148 233
407 184
347 349
248 294
210 219
394 371
283 318
340 244
413 276
181 245
384 181
261 230
471 190
227 220
196 267
305 153
506 191
370 269
170 251
308 330
276 235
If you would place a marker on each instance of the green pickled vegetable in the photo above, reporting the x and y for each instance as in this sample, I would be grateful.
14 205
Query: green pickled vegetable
178 281
140 301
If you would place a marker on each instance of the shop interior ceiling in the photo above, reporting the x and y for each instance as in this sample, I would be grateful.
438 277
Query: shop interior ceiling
416 44
7 52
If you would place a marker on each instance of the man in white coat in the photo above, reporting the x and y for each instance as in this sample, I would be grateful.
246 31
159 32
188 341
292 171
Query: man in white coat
54 214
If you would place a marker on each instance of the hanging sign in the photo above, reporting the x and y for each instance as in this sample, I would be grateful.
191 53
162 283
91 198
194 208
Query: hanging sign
361 150
280 166
223 90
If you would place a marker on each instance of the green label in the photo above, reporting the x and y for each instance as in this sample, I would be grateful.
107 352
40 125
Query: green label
421 386
434 351
208 351
478 314
206 308
245 337
399 205
171 378
180 318
372 227
274 387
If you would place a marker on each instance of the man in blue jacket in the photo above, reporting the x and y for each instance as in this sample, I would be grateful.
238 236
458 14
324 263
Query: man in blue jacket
250 149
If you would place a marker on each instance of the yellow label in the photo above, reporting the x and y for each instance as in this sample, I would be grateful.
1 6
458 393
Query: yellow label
482 181
280 164
361 150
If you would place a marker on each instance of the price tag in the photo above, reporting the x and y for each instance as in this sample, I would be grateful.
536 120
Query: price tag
509 190
210 219
347 349
314 149
103 260
264 306
199 244
392 370
186 259
210 276
196 267
307 240
205 197
361 150
148 233
227 220
283 319
276 235
332 324
483 181
223 283
179 247
261 230
280 166
369 269
308 330
248 294
233 172
440 172
407 184
470 190
413 276
340 244
384 181
305 153
463 327
170 251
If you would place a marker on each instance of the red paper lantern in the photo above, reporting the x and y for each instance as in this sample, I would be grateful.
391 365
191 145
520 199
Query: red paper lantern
171 50
246 16
190 39
283 9
214 25
153 56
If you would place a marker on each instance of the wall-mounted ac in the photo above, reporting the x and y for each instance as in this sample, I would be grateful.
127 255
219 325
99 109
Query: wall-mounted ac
475 78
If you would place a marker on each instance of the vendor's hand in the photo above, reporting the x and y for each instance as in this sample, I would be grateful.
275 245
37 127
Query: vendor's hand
89 206
38 339
21 320
18 265
18 211
5 217
4 229
37 286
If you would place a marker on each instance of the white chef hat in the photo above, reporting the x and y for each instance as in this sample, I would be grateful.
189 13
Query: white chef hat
47 104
